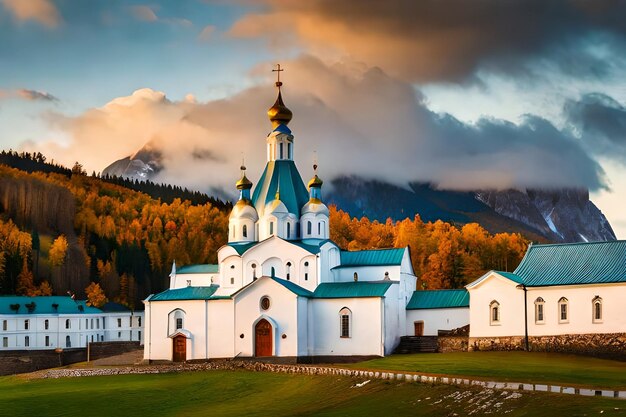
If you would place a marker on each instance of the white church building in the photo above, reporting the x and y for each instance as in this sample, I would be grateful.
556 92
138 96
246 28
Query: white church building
281 287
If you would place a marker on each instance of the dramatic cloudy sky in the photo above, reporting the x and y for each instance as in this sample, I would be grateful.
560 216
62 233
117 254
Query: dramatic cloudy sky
464 93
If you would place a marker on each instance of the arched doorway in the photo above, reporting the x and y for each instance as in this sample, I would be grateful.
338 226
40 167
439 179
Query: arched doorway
263 338
179 351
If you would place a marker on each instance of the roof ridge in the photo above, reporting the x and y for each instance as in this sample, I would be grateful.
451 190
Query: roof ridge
375 249
577 243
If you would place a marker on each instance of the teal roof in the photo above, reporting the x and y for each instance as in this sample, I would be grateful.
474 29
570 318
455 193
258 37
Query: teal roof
44 305
375 257
187 293
281 174
510 275
241 248
352 289
198 269
422 300
294 288
573 263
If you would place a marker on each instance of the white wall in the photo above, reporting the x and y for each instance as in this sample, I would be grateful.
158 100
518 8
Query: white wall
367 273
366 337
437 319
197 280
282 314
580 317
504 291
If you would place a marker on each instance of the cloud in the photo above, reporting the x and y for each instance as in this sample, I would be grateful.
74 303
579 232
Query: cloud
144 13
601 122
207 33
447 40
35 95
41 11
358 119
147 14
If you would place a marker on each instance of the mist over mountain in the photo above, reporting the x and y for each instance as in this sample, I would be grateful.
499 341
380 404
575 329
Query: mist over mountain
554 215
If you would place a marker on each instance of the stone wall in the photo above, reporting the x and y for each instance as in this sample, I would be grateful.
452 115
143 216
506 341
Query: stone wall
21 361
608 345
446 344
98 350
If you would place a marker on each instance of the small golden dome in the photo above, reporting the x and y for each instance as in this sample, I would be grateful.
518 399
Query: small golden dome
244 183
316 182
279 113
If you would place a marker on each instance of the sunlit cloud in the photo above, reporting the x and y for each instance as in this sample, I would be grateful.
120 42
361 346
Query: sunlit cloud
41 11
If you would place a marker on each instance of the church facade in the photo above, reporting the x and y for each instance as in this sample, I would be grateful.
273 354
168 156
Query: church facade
281 286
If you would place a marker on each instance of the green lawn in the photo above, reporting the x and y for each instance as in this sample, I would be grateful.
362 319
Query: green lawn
259 393
533 367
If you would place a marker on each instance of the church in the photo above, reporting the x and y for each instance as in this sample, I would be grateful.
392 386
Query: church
281 287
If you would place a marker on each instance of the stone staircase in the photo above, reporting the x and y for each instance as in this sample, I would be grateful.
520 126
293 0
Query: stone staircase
417 344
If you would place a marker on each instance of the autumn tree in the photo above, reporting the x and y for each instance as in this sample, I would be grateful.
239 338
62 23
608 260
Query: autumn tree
58 251
95 295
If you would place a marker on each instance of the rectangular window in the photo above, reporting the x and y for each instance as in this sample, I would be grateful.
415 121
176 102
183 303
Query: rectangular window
306 276
119 322
119 335
179 324
97 323
5 325
563 312
539 313
5 342
47 340
46 324
86 323
139 321
130 321
345 325
92 323
271 228
26 324
139 335
26 341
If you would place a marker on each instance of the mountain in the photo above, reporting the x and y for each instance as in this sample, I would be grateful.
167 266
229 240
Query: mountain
557 215
143 165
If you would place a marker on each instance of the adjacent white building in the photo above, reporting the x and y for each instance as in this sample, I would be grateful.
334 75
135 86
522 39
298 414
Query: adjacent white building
562 289
430 311
39 323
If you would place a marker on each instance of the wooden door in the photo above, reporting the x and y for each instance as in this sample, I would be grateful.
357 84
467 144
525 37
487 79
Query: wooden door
419 328
263 338
180 348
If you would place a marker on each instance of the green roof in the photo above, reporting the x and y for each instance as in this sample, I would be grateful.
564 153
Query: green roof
352 289
294 288
573 263
438 299
282 176
510 275
187 293
375 257
241 248
198 269
45 305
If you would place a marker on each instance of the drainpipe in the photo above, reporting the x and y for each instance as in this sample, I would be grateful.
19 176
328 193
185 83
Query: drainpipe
523 287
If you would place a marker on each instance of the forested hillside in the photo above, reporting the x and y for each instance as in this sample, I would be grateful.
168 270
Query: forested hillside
61 230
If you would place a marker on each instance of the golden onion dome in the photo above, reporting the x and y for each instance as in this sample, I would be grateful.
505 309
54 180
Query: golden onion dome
244 183
316 182
279 113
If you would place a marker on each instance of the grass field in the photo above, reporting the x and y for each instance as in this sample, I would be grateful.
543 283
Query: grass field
532 367
259 393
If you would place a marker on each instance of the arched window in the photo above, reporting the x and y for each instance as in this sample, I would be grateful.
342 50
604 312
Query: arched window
563 310
319 228
271 228
288 230
280 146
244 231
288 268
176 320
46 324
68 324
308 228
68 341
345 322
597 309
539 307
494 312
253 266
273 272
